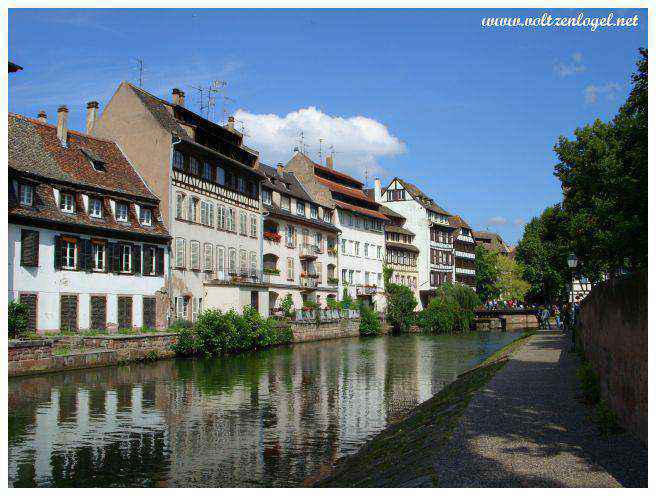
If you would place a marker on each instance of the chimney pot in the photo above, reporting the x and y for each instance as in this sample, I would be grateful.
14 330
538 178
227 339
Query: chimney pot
62 124
280 168
231 122
178 97
377 189
42 117
329 161
296 149
92 115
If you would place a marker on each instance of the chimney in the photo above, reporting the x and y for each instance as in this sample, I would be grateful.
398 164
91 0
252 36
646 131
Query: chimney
329 161
377 193
92 115
279 168
42 117
231 123
62 124
178 97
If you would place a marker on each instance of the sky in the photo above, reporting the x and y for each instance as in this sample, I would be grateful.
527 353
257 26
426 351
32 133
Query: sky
469 114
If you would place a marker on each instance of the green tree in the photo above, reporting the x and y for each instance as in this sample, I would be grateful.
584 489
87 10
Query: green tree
543 251
511 284
603 172
487 274
369 321
17 318
401 304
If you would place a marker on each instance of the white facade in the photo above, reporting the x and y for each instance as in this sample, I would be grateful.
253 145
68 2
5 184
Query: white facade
361 257
49 283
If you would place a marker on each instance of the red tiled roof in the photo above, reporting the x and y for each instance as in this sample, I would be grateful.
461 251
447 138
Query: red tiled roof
361 210
336 173
345 190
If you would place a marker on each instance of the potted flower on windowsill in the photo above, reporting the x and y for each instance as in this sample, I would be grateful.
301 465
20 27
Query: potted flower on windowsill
272 236
333 281
271 271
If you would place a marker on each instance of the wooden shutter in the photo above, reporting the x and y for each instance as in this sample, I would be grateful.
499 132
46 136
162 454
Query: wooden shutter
81 260
136 259
114 257
30 302
147 261
149 312
160 261
86 250
68 312
124 312
98 312
58 252
29 248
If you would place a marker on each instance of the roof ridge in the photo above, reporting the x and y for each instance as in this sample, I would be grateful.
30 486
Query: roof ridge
47 124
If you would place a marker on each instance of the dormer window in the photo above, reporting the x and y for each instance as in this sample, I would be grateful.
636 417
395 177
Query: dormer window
178 160
122 212
300 208
194 167
26 194
314 211
285 203
97 162
327 215
98 165
67 203
207 171
266 196
220 175
145 217
95 208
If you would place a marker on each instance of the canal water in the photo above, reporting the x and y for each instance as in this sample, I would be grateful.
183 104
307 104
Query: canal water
268 418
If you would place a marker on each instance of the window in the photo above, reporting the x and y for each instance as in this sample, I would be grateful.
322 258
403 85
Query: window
194 166
98 312
231 220
151 261
366 249
318 240
300 208
243 261
178 160
208 252
254 226
344 246
395 194
95 208
207 171
241 184
253 257
252 189
180 246
222 215
232 261
182 306
204 212
220 259
67 203
125 312
179 206
285 203
290 236
344 272
26 194
145 216
149 307
126 258
242 223
327 215
68 312
99 256
220 175
357 248
29 248
314 211
69 253
194 249
379 252
122 212
193 205
266 196
290 269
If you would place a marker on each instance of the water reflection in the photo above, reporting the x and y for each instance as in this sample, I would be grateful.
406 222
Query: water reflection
270 418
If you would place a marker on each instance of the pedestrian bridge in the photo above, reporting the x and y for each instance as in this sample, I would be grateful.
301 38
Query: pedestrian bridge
509 318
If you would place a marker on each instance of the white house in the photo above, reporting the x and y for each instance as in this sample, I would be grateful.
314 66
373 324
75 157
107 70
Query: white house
87 248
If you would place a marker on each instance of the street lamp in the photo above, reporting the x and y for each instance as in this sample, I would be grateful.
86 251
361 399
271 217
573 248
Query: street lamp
572 261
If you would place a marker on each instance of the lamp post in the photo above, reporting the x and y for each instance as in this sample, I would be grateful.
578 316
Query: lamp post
572 261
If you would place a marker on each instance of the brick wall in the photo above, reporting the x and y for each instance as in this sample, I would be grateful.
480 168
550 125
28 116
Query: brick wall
613 336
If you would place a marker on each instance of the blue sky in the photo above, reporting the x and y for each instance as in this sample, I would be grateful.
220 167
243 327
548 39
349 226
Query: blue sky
469 114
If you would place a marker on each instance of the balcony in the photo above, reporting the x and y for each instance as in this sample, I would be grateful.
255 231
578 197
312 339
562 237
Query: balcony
309 282
332 251
308 252
366 289
237 278
333 281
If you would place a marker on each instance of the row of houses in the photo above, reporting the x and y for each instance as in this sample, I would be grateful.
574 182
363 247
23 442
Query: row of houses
155 213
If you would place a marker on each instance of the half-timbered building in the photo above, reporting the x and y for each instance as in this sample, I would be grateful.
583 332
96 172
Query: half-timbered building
209 185
464 248
87 246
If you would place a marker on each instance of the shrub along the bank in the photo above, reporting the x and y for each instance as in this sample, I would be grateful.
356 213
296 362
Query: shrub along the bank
217 333
369 321
450 311
17 318
401 303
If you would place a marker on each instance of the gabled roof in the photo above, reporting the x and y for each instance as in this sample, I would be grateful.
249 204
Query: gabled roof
457 221
34 149
390 213
286 184
356 194
14 67
398 229
360 210
160 109
337 174
425 200
401 246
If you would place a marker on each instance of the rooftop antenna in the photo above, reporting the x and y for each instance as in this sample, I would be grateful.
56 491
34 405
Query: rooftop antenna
366 175
226 101
320 149
301 142
215 88
140 65
201 92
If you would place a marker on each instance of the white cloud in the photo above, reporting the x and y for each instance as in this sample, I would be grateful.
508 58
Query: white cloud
592 92
497 221
358 141
570 67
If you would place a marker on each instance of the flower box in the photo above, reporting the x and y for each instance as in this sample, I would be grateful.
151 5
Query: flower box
272 236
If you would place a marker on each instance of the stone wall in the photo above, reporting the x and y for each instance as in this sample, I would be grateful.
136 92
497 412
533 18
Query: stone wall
330 329
612 333
517 321
49 355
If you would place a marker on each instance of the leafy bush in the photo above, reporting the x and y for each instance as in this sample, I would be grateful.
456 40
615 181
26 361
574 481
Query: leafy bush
178 324
347 301
589 383
17 318
401 303
287 306
218 333
452 310
333 304
369 321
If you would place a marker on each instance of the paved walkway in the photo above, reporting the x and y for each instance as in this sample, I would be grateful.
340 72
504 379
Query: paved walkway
528 428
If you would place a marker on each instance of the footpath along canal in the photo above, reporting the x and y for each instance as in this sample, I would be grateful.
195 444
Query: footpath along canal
269 418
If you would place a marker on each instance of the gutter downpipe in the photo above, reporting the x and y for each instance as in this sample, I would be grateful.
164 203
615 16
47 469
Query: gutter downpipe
170 268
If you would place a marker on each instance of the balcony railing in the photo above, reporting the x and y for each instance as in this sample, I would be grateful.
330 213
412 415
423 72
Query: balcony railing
308 251
237 277
309 282
368 289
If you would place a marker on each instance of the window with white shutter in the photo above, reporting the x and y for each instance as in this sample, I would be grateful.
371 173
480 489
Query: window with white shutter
194 249
180 253
207 257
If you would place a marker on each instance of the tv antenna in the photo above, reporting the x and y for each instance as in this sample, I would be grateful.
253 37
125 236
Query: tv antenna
201 105
140 66
301 142
215 88
320 149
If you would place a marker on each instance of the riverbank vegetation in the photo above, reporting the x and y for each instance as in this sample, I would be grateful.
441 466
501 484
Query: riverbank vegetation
217 333
450 311
401 304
